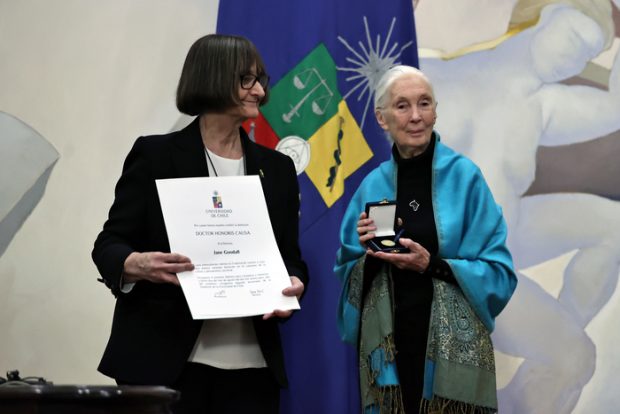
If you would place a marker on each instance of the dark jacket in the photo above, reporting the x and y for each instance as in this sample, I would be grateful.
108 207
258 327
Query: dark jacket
153 332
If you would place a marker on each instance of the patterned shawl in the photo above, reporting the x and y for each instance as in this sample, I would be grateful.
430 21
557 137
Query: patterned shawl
471 233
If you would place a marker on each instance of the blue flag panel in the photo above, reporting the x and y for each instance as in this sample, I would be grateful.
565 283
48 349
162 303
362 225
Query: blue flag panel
324 58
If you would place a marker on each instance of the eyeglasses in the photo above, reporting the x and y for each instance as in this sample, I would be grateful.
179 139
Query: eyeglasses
248 81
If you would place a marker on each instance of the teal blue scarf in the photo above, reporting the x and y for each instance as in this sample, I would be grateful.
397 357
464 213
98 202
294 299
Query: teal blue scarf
471 233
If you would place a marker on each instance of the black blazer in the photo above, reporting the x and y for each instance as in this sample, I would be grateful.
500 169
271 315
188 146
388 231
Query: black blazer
153 332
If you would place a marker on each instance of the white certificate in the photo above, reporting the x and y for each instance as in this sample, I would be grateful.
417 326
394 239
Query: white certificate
222 225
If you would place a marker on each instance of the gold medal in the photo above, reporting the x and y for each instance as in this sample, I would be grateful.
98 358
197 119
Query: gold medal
388 243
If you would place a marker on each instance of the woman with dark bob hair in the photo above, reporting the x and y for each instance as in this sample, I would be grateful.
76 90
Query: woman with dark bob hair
232 365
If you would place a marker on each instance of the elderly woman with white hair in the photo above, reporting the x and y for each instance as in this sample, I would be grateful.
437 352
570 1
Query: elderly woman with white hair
421 307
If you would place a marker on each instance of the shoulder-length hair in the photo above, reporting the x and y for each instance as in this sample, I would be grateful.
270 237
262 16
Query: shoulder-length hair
212 73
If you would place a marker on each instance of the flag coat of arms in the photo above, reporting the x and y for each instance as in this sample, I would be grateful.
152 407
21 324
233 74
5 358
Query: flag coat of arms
324 58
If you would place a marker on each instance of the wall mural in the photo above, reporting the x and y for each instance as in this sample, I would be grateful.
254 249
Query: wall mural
542 120
530 90
26 162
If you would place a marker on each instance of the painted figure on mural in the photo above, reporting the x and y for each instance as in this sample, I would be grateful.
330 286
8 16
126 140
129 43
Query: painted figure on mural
502 104
26 162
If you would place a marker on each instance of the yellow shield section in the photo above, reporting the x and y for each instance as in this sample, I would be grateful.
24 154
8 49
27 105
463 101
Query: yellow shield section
338 149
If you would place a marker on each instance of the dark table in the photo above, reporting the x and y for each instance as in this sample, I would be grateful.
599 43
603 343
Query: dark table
85 399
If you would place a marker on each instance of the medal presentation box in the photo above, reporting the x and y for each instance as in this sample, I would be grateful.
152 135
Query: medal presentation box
383 213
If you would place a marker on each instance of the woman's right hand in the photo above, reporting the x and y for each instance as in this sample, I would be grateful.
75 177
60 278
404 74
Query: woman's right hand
365 228
156 267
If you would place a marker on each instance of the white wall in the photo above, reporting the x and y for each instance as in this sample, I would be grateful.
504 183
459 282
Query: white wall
89 76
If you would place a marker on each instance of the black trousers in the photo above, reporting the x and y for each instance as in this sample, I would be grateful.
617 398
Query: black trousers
412 297
209 390
410 342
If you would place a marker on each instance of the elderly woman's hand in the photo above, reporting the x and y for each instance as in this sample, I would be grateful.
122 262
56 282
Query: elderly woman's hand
417 259
156 267
296 289
365 228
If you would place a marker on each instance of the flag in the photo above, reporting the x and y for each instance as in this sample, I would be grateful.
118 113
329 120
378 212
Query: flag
324 58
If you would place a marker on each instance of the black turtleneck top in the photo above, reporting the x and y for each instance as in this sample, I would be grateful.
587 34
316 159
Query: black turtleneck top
414 205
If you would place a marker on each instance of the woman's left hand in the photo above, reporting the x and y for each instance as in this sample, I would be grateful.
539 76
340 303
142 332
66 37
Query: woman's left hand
296 289
417 259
